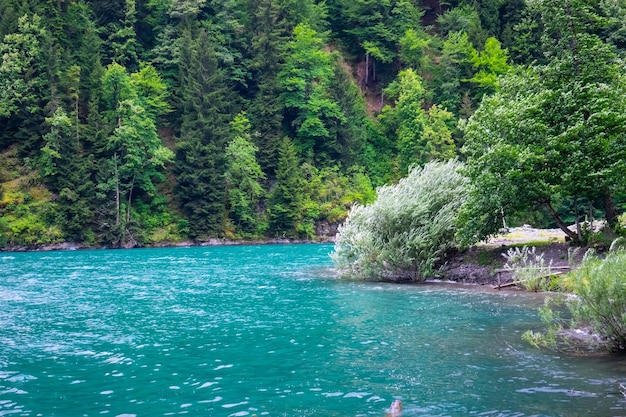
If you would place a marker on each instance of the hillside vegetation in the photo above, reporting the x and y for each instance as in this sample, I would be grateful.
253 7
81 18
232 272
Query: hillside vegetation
132 122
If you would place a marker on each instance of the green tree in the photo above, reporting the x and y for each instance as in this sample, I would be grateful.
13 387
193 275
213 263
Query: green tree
464 19
205 110
526 147
243 176
287 200
9 15
416 50
268 34
311 112
66 173
455 69
554 132
587 82
123 39
24 85
134 147
371 30
490 63
421 136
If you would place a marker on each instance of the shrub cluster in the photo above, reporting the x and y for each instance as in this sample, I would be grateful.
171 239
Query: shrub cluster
530 269
597 305
407 230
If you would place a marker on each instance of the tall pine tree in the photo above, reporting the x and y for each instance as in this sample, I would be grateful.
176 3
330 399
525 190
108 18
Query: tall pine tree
200 166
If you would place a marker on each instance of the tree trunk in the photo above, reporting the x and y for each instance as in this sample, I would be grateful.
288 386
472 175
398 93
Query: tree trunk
374 71
609 209
367 69
577 219
117 193
572 235
130 198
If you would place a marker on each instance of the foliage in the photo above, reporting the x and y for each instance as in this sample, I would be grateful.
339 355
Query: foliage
313 115
422 136
133 147
95 94
204 132
598 304
529 268
243 176
491 62
27 216
287 201
551 132
407 230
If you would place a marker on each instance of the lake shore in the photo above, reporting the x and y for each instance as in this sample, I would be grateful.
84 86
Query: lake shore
478 264
474 266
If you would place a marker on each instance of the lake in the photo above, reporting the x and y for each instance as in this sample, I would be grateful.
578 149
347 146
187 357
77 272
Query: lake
270 331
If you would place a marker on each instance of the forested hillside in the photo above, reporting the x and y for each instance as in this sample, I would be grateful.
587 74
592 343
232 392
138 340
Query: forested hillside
133 122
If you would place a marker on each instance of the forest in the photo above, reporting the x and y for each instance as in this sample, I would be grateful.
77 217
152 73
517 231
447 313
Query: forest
128 123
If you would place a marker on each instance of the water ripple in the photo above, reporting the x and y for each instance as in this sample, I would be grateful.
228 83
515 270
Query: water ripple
269 330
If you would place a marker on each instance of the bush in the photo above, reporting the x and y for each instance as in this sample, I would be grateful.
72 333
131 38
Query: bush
529 268
600 287
597 307
407 230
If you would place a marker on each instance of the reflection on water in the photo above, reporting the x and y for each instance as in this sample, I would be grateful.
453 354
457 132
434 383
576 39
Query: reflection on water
268 330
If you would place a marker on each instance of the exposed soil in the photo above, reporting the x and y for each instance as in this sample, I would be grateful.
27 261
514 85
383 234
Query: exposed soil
478 264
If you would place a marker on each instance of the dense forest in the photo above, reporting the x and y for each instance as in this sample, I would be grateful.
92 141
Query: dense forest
132 122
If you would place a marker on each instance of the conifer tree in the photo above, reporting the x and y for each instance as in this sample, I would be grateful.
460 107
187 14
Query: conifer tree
123 40
65 172
201 187
24 85
268 43
287 199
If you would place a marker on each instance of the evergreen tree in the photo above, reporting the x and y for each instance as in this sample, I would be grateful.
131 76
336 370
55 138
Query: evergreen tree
66 173
123 39
204 133
287 199
9 14
268 45
24 85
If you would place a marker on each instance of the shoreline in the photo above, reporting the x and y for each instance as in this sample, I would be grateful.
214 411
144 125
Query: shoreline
474 267
71 246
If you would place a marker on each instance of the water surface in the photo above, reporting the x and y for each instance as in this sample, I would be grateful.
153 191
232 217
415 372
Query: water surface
270 331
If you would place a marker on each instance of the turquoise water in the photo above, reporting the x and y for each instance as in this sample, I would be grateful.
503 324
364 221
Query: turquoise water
270 331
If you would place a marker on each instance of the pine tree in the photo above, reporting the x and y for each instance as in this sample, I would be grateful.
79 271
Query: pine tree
204 131
268 35
123 40
24 85
66 173
287 200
